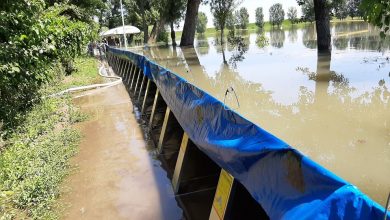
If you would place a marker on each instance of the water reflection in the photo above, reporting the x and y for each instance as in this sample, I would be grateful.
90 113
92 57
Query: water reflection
293 34
277 37
332 107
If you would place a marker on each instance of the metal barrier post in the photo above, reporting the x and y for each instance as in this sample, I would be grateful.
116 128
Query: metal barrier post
145 97
163 129
154 108
136 84
141 87
179 164
222 196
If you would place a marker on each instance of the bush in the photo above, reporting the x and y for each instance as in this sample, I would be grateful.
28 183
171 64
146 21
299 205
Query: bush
32 37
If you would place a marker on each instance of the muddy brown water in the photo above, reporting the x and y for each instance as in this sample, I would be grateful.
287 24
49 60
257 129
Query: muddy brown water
332 107
118 175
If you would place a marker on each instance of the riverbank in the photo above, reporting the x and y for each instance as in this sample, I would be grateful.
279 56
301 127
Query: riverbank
252 28
34 156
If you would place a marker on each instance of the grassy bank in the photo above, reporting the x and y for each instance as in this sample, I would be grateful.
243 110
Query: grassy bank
34 156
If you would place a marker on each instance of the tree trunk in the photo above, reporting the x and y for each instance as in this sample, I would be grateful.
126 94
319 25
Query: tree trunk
321 10
157 27
173 35
144 24
222 28
188 36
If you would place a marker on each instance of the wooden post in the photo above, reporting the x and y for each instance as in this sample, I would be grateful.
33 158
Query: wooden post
145 97
179 164
154 108
222 196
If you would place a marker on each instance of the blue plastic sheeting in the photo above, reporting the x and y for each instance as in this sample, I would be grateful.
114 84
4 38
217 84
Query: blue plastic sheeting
287 184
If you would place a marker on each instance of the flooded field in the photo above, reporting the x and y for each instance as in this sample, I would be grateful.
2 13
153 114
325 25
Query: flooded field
332 107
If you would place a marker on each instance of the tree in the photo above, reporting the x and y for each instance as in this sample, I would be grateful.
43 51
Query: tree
353 8
259 18
276 14
242 17
221 10
201 23
188 35
292 14
340 9
172 11
307 8
377 12
321 12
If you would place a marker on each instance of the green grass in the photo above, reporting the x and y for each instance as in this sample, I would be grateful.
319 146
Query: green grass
34 156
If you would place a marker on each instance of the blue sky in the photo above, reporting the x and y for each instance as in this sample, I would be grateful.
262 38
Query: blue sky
251 5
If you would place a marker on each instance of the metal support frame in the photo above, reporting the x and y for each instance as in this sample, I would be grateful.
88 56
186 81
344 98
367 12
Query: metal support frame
177 174
154 108
163 130
130 73
133 77
136 84
145 97
141 87
222 197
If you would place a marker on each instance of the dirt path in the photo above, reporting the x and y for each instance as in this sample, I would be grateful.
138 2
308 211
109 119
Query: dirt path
117 177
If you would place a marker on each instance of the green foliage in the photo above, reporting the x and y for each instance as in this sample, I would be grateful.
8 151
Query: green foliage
276 14
201 23
377 12
340 9
307 8
353 8
32 37
221 10
259 18
292 14
35 161
242 18
162 36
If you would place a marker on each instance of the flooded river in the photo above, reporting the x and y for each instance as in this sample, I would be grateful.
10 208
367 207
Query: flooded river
332 107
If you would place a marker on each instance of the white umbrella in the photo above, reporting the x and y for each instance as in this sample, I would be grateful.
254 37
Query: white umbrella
128 29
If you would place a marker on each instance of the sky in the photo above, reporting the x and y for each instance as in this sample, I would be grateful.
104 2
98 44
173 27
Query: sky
251 5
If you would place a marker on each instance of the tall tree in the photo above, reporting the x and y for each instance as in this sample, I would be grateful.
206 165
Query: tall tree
340 9
292 14
172 10
321 12
188 35
221 9
242 17
307 8
276 14
201 24
353 8
259 18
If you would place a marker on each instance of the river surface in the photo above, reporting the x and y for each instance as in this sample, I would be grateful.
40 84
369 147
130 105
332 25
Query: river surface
332 107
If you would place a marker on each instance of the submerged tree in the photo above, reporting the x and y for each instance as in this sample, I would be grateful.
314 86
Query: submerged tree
221 10
292 15
189 28
276 14
259 18
201 24
242 17
307 8
321 11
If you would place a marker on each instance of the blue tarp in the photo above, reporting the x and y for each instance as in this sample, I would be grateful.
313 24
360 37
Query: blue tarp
287 184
